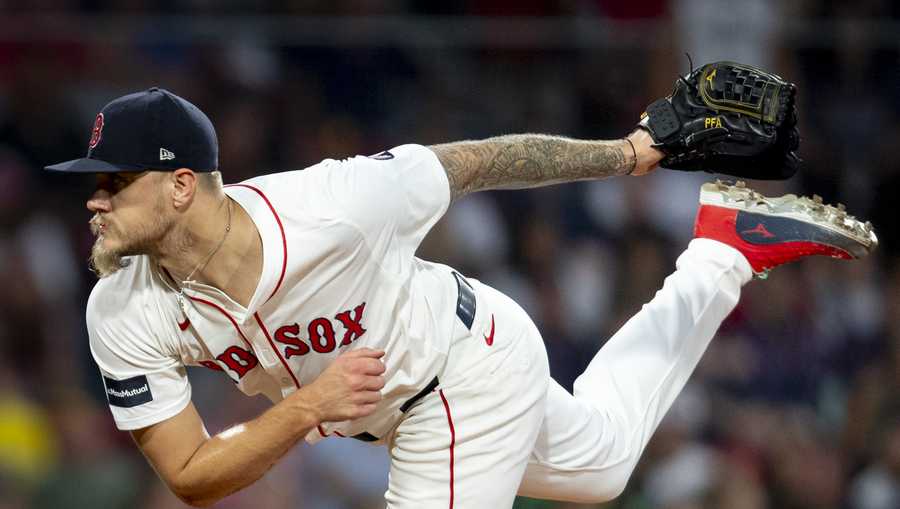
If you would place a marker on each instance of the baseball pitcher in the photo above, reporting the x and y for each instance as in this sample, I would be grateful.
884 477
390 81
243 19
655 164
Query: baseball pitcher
304 286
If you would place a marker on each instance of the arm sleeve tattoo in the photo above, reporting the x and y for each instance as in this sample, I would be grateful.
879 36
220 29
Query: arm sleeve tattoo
529 160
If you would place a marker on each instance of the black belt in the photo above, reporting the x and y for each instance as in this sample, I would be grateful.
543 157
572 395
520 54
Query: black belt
465 311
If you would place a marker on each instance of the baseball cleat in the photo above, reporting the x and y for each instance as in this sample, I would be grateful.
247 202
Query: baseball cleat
774 231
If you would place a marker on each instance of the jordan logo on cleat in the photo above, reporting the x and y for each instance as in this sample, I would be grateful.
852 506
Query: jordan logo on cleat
760 229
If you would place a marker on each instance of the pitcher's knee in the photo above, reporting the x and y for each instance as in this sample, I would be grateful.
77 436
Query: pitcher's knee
589 486
603 489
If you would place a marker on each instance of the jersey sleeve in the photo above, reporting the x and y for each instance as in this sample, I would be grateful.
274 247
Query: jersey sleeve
394 198
144 385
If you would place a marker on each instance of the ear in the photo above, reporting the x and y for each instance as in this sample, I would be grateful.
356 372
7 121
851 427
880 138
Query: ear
184 187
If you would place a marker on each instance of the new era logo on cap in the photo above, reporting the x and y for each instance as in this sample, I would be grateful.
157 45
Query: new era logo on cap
144 131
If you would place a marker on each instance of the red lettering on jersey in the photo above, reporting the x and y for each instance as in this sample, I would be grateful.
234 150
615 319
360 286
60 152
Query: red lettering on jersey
321 329
238 360
352 324
288 335
211 365
321 332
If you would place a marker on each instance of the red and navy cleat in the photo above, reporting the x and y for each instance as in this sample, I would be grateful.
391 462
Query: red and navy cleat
773 231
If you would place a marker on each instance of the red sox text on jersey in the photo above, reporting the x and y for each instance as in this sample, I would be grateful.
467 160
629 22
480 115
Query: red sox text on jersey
321 338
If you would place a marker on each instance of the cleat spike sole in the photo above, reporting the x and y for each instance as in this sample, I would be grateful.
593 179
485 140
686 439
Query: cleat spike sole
811 210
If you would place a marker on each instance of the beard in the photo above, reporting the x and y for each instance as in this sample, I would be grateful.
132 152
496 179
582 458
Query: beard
140 240
105 262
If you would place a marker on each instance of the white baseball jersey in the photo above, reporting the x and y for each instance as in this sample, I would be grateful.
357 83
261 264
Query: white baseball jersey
339 273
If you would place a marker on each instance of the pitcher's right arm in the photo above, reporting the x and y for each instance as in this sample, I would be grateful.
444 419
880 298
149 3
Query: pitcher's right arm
201 469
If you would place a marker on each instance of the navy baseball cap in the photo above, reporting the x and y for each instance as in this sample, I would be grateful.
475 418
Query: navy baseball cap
150 130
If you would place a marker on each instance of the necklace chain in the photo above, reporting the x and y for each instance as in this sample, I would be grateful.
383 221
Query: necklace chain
206 260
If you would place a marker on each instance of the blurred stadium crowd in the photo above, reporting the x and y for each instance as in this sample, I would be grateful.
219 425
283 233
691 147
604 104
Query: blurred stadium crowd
796 405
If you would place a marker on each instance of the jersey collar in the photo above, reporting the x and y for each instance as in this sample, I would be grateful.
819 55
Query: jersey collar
274 242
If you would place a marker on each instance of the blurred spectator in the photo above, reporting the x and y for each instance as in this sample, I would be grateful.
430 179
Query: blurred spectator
28 448
878 486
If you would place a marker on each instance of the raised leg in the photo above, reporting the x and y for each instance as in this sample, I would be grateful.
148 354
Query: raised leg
590 442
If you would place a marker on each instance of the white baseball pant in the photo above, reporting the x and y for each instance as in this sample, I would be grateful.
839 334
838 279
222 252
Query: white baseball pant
498 426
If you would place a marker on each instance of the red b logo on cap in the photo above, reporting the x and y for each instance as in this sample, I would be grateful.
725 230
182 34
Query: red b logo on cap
97 132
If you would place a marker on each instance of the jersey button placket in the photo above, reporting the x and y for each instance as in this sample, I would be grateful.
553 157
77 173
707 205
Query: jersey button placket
279 367
268 357
272 365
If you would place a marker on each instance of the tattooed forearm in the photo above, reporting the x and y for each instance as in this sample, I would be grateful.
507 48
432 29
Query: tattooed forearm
530 160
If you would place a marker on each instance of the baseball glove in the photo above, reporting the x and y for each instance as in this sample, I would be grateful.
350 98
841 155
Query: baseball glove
728 118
